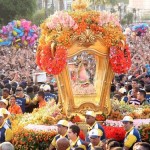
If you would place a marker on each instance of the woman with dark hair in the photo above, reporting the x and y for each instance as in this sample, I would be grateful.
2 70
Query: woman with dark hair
14 108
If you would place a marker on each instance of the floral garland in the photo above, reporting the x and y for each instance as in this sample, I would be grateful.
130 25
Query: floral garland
120 60
62 26
52 64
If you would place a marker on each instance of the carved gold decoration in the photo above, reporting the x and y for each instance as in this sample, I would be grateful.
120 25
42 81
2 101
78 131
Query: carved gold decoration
86 38
80 4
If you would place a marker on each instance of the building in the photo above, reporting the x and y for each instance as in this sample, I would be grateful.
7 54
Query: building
141 9
140 4
57 4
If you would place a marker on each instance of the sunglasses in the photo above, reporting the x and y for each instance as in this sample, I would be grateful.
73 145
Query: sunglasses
93 138
125 122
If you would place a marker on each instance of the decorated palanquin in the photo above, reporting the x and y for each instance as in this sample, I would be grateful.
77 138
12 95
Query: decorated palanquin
83 48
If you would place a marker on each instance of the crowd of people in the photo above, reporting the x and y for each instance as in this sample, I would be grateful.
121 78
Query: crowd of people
131 90
69 136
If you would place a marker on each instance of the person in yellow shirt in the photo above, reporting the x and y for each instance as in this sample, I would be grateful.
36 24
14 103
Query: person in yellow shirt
5 131
132 134
62 132
94 135
73 135
93 124
14 108
6 115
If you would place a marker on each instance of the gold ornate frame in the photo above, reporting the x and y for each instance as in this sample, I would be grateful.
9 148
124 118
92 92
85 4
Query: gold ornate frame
99 102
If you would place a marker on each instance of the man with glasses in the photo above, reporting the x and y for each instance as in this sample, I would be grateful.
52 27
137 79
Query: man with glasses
21 99
132 134
93 124
94 135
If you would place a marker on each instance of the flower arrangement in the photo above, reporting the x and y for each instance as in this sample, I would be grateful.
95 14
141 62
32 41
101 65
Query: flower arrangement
145 133
100 117
63 29
31 139
75 119
122 107
119 110
48 115
117 133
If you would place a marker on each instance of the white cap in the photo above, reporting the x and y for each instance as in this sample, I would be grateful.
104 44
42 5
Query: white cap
63 123
91 113
4 101
127 119
46 87
122 90
42 86
4 111
129 77
95 133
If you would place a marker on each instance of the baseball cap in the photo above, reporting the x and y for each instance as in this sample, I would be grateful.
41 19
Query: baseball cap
42 86
46 87
63 123
91 113
4 101
4 111
94 133
127 119
122 90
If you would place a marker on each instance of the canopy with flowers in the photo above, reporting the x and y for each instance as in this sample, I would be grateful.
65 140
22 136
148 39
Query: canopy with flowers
62 29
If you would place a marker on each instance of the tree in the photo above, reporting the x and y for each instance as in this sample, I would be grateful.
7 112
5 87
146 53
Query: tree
16 9
128 19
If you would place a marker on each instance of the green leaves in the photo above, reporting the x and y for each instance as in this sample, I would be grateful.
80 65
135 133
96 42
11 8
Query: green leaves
14 9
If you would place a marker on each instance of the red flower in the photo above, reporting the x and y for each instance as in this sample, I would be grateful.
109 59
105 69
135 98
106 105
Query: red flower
120 60
52 64
100 117
82 135
75 119
117 133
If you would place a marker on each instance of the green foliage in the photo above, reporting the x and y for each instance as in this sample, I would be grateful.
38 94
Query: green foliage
128 19
123 1
38 17
16 9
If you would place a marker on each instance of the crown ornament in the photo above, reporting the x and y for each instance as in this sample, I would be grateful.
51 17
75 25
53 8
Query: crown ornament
80 4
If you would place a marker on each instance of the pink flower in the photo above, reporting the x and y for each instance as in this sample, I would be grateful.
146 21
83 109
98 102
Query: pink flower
61 19
106 17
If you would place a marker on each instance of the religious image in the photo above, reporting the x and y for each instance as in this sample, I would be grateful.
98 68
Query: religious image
82 72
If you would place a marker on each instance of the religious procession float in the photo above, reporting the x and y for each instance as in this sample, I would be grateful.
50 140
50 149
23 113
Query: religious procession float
83 48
